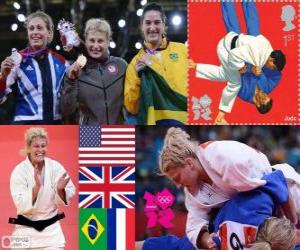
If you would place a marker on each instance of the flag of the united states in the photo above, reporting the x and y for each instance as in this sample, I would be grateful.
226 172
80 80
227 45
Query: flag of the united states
107 146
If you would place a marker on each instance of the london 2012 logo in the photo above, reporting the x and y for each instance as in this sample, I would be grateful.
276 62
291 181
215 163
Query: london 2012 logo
158 208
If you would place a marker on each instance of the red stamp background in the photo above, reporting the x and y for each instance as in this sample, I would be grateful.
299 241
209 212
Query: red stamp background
206 28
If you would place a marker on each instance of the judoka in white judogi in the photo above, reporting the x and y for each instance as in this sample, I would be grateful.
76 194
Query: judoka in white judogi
238 53
253 49
46 205
250 49
233 167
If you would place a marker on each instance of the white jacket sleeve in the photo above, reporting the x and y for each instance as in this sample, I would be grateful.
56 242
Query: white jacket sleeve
21 192
256 53
238 176
235 165
210 72
289 172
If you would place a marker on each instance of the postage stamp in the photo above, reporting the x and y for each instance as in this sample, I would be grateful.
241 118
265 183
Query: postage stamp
244 62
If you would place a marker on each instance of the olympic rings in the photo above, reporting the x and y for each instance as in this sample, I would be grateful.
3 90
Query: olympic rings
164 199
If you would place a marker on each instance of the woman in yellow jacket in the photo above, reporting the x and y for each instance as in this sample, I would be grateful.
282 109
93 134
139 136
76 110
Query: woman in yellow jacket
156 78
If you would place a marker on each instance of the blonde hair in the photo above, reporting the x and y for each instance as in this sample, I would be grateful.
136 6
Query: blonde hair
275 233
177 147
32 133
46 18
98 25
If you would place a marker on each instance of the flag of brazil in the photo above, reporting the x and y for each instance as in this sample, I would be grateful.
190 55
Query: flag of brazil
93 229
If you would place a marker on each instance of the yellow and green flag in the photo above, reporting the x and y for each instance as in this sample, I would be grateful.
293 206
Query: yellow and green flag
107 229
93 228
158 103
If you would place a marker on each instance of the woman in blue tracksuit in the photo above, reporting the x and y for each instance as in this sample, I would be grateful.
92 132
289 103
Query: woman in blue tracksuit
36 79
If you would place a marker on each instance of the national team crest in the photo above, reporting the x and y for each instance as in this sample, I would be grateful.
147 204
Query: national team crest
112 68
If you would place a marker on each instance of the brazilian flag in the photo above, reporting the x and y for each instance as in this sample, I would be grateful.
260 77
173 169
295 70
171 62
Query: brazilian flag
107 229
93 229
158 103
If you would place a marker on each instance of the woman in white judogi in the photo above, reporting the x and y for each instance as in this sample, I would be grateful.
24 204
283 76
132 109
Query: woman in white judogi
213 173
38 185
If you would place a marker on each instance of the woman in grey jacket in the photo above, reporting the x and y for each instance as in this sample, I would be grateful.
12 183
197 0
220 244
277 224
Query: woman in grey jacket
93 93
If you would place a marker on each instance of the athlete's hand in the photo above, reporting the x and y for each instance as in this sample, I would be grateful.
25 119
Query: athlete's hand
6 67
74 71
63 38
62 182
211 244
192 64
289 209
243 70
142 62
256 70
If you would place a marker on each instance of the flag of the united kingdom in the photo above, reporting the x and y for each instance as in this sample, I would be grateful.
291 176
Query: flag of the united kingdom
106 187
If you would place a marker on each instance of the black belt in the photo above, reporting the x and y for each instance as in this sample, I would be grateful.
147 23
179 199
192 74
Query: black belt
233 42
39 225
